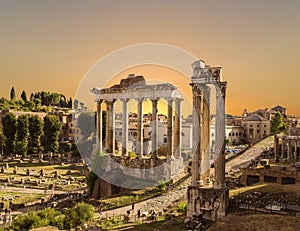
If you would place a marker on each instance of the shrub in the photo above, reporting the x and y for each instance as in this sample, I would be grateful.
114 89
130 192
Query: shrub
181 207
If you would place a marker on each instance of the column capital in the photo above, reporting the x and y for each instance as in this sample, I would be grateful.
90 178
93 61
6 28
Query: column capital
196 90
112 101
140 100
125 100
222 87
170 99
154 99
178 100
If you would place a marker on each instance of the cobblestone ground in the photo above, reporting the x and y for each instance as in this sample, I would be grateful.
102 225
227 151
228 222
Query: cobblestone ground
158 204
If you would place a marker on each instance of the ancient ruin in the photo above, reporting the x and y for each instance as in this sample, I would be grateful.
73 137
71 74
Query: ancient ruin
207 193
148 162
287 147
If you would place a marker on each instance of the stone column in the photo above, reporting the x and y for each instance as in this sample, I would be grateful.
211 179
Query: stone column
170 128
276 146
99 125
110 124
220 135
140 138
295 151
125 127
288 148
282 147
197 97
177 128
205 135
154 137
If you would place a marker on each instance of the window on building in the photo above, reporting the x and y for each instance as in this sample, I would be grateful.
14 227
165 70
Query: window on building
229 134
257 131
250 125
236 134
265 131
240 133
265 126
257 125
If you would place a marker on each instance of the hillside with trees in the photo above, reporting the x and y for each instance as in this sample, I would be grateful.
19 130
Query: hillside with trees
41 101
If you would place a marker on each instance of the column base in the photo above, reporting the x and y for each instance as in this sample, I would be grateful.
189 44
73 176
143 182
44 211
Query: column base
211 202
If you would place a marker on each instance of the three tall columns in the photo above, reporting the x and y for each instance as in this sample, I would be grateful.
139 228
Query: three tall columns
201 128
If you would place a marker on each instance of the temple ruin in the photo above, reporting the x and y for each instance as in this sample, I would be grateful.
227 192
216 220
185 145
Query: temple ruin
207 193
148 163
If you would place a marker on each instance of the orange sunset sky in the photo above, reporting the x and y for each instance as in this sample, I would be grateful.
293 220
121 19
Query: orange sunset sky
51 44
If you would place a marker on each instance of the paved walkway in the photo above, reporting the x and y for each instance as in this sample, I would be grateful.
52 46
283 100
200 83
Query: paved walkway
245 159
157 204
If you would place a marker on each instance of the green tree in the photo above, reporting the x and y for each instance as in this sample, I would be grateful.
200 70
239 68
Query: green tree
32 97
22 134
35 133
70 103
78 215
62 101
86 123
12 94
76 102
276 122
51 129
24 96
2 142
9 131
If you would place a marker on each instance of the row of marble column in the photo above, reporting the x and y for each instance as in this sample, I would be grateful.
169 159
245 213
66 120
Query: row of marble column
173 138
287 148
201 131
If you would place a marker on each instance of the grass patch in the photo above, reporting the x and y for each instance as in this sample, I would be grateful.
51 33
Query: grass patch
19 197
256 222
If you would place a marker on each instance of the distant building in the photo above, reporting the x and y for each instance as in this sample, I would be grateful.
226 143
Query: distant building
255 127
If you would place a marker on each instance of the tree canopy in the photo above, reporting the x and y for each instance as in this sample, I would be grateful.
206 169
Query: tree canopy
9 131
52 128
22 134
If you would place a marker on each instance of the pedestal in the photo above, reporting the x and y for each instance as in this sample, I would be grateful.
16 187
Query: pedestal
211 202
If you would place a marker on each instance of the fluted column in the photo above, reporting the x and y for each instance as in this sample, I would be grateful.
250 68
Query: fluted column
197 97
110 122
170 128
99 126
140 137
154 134
220 135
125 127
177 128
205 135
